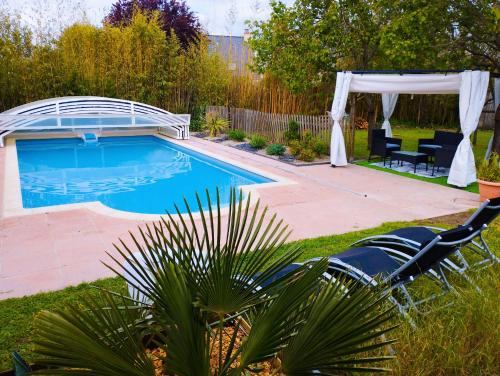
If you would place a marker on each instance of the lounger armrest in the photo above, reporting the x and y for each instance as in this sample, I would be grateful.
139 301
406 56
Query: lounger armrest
428 141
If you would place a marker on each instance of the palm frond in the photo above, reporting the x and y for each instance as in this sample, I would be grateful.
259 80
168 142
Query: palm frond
340 333
272 328
92 340
225 274
186 336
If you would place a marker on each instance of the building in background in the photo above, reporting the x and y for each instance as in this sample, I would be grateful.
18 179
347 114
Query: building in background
233 49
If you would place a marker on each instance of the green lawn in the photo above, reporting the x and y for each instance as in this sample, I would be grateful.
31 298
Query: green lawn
410 138
460 339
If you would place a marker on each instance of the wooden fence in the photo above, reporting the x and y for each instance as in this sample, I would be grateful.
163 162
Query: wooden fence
273 126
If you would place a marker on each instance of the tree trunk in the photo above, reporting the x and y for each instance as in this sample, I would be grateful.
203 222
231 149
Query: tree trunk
352 130
496 132
370 108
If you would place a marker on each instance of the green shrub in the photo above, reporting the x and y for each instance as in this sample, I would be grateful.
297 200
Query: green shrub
258 142
292 134
320 147
275 149
315 144
489 170
307 138
215 124
295 148
237 135
306 155
197 119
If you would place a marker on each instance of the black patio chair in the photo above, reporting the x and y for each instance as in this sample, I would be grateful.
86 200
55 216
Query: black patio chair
372 265
409 239
383 146
429 146
443 157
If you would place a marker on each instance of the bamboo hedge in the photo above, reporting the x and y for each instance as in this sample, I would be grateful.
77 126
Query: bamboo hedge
139 62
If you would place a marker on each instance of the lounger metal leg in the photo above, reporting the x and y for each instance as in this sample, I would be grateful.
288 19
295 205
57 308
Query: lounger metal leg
487 249
482 249
463 275
408 297
463 261
403 312
447 284
471 282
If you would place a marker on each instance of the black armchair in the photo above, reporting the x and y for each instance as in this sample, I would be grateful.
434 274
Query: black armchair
429 146
383 146
444 156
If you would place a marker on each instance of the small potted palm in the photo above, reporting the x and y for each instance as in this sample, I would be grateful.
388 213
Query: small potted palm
488 178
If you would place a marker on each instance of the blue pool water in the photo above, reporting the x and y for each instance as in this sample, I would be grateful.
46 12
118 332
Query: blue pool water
141 174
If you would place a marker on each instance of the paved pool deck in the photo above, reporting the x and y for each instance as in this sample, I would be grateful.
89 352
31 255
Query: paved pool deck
51 250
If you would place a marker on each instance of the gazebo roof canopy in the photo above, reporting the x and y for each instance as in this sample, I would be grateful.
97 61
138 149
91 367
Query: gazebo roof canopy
431 83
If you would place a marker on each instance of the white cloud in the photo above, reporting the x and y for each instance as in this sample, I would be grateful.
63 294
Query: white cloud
213 14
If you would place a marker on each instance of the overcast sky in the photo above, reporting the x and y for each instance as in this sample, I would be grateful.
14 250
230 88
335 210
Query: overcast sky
215 15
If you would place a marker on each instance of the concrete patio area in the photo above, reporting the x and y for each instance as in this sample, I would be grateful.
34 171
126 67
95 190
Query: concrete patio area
48 251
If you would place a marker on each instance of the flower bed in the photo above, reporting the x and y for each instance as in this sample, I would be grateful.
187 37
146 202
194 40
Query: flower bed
287 157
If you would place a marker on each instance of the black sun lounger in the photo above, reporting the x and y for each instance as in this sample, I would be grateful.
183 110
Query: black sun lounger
372 265
409 239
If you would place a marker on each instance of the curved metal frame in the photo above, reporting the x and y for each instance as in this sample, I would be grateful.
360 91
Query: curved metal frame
26 116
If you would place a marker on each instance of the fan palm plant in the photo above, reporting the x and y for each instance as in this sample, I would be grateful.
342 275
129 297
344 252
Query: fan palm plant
212 297
215 124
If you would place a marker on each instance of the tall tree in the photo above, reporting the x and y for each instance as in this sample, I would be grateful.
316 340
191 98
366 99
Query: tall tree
175 16
305 44
308 42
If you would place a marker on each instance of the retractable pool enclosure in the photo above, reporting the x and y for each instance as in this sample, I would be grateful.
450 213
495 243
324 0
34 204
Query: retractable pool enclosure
83 115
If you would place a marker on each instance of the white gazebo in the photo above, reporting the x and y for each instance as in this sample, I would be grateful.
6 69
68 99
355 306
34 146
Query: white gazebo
471 86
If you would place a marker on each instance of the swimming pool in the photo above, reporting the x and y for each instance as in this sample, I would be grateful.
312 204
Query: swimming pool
140 174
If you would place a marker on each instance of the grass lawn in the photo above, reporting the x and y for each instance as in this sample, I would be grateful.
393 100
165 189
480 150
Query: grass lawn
459 339
410 138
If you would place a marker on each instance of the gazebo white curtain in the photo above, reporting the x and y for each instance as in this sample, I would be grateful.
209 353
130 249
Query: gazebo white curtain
389 101
337 144
471 85
473 88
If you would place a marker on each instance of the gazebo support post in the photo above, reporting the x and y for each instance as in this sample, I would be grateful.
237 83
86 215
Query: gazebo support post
352 129
370 115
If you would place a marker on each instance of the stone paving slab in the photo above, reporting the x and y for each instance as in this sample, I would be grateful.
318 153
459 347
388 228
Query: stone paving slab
49 251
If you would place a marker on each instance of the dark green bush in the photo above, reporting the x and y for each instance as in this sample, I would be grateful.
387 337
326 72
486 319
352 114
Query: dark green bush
237 135
292 134
258 142
275 149
197 119
307 155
